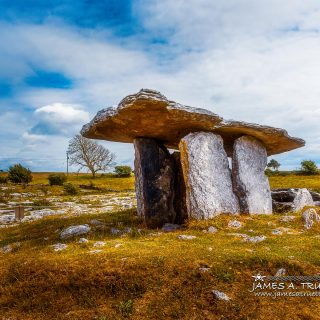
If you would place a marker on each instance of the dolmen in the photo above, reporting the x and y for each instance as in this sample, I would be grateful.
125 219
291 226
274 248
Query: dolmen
182 168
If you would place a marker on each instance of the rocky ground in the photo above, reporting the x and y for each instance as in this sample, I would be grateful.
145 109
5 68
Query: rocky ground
37 206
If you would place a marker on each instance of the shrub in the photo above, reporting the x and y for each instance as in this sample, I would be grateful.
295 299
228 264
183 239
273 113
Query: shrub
123 171
57 179
309 167
70 188
3 179
19 174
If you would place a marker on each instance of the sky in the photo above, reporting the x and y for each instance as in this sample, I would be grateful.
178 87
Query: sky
61 61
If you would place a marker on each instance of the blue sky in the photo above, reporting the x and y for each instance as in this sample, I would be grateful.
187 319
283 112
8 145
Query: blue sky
62 61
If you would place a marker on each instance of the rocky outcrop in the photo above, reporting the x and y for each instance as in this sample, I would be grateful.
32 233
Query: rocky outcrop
302 199
154 171
286 200
148 113
250 183
207 176
74 231
310 216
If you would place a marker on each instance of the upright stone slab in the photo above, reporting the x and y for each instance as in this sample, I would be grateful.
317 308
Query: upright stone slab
154 173
207 176
250 183
179 202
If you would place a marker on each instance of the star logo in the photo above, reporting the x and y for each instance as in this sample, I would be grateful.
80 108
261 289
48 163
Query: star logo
258 277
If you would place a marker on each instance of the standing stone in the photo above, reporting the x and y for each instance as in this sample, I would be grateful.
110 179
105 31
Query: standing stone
154 182
179 202
250 183
302 199
207 176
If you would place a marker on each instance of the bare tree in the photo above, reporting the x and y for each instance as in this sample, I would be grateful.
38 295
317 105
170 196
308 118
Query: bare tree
87 153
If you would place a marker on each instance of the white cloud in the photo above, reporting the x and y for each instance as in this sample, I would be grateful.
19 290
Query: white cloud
63 113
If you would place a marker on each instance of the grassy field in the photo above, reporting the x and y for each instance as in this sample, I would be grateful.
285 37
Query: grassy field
148 274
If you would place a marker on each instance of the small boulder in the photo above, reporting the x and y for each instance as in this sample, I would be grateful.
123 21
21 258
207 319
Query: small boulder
59 246
167 227
6 249
74 231
220 295
287 218
83 240
281 272
212 229
276 232
235 224
186 237
302 199
310 216
115 231
255 239
99 244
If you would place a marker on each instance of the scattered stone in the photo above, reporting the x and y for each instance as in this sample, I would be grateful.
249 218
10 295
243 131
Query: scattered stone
46 238
83 240
74 231
250 183
6 249
205 163
276 232
281 272
95 251
302 199
99 244
167 227
128 230
287 218
212 229
118 245
204 269
115 231
310 216
255 239
59 246
96 222
220 295
7 218
186 237
154 172
235 224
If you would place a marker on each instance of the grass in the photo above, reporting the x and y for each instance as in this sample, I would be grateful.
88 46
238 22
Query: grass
296 181
153 275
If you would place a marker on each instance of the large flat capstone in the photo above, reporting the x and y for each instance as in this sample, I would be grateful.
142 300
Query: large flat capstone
150 114
207 176
250 183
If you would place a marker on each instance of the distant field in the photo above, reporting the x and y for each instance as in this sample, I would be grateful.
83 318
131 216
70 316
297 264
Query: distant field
107 181
295 181
110 181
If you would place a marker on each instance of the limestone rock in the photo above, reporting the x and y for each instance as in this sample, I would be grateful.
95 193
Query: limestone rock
59 246
250 183
75 231
310 216
186 237
235 224
154 171
281 272
220 295
207 176
83 240
255 239
150 114
212 229
302 199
